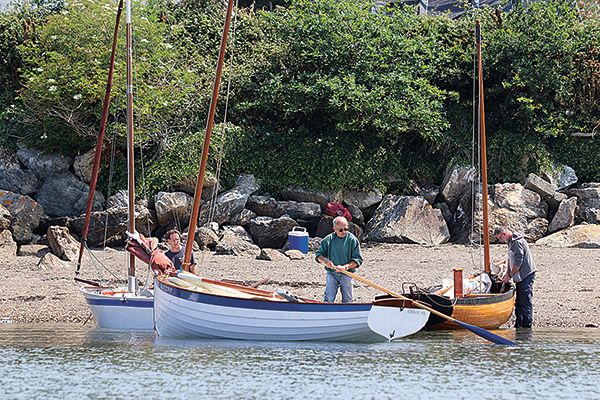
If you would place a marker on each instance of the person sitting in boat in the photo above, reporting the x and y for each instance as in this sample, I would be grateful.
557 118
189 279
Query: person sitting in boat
177 252
521 269
339 251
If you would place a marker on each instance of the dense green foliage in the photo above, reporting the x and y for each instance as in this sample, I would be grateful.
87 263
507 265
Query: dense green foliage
324 93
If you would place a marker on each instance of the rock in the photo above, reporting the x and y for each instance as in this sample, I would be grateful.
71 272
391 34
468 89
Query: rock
25 215
592 216
301 194
325 227
4 218
561 176
173 207
43 165
231 202
446 213
119 199
8 247
362 199
247 184
536 229
116 220
63 195
237 231
232 244
430 191
62 243
457 181
8 159
584 236
295 255
206 238
270 232
264 206
272 255
357 215
21 181
407 219
84 165
50 261
314 243
556 199
33 250
535 183
565 216
243 217
210 185
588 197
513 197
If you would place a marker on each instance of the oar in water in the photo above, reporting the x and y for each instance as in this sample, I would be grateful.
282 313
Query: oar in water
492 337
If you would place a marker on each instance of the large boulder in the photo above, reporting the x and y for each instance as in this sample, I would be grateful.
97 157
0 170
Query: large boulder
83 165
231 202
113 224
362 198
242 218
25 215
585 236
407 219
210 185
8 247
236 242
269 207
206 238
301 194
456 183
119 199
270 232
561 176
171 207
429 191
42 164
21 181
565 216
63 245
63 195
588 198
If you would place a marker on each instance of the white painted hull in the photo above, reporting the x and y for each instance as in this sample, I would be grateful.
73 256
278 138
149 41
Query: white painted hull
118 311
190 314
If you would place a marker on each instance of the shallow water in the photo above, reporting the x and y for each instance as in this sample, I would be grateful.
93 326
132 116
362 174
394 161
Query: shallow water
53 361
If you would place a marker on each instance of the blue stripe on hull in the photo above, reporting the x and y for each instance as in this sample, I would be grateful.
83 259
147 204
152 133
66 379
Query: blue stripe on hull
118 301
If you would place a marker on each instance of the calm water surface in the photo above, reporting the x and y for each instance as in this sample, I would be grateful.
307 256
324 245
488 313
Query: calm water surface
55 361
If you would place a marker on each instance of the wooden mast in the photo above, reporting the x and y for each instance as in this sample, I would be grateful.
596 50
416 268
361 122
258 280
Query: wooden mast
209 124
132 287
484 183
97 155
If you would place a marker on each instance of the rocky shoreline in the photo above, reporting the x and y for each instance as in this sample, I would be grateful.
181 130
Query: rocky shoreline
566 291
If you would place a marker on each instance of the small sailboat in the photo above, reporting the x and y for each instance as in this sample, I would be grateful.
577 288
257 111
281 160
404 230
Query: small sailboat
489 308
189 306
117 307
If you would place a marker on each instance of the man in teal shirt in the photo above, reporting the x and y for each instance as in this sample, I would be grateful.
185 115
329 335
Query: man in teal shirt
339 251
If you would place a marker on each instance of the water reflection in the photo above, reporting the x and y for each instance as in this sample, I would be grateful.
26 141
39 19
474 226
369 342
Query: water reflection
69 361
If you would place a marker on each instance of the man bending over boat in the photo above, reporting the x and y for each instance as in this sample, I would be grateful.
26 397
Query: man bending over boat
521 269
177 251
339 251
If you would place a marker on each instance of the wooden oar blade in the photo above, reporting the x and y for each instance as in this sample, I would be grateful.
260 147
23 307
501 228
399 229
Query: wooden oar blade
492 337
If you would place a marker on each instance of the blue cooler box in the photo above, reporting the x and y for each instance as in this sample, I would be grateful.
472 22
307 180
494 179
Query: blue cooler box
298 238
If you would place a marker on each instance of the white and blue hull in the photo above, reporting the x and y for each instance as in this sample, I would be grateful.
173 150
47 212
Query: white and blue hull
190 314
121 310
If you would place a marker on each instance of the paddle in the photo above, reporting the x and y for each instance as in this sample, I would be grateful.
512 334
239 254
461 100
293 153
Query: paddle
492 337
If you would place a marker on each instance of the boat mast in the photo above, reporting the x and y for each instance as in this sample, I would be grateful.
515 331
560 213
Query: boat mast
98 154
484 183
131 286
209 124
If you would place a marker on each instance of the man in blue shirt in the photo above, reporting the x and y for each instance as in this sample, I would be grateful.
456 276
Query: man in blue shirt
177 252
340 250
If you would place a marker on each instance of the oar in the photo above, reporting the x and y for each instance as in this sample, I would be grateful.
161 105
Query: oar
492 337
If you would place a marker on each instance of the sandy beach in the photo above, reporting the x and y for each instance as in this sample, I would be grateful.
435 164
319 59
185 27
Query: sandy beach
566 290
